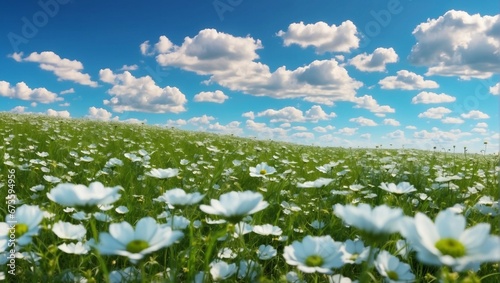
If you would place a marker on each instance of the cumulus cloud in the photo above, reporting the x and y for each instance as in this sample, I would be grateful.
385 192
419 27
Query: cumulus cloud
292 114
320 129
435 113
368 102
129 67
61 114
231 62
68 91
391 122
348 131
99 114
495 90
303 135
406 80
141 94
211 96
437 135
64 69
262 130
475 114
481 125
362 121
202 120
398 134
458 44
323 37
250 115
452 120
376 61
425 97
23 92
230 128
18 109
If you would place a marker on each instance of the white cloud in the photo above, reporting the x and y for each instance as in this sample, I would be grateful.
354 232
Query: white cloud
368 102
391 122
132 121
263 131
145 48
475 114
61 114
64 69
435 113
231 128
292 114
362 121
211 96
230 61
18 109
250 115
285 125
452 120
320 129
323 37
398 134
495 90
481 125
71 90
99 114
129 67
141 94
410 127
348 131
299 128
437 135
406 80
164 45
479 130
176 123
425 97
202 120
23 92
376 61
458 44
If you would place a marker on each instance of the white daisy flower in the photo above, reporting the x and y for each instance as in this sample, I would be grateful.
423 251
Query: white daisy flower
235 205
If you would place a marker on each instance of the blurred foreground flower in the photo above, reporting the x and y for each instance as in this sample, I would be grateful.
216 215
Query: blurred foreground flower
26 223
447 242
379 220
147 237
315 254
163 173
82 196
392 269
235 205
401 188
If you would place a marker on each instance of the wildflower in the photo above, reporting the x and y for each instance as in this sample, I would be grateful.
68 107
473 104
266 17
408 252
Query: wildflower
266 252
338 278
221 270
79 195
314 254
248 269
401 188
447 242
26 223
178 198
65 230
262 170
318 183
147 237
379 220
355 251
163 173
392 269
78 248
267 229
235 205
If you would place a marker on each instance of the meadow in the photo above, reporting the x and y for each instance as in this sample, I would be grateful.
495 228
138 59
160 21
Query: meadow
90 201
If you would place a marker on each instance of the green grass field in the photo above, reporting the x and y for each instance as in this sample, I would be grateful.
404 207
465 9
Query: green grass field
39 153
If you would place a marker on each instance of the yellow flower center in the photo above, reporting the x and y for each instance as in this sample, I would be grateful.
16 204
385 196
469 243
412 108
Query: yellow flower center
21 229
263 172
314 260
136 246
451 247
393 275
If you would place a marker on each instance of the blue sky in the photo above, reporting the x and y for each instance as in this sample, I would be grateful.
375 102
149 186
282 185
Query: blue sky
395 73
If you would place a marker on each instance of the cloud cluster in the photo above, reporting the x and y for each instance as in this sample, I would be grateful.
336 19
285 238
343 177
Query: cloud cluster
211 96
458 44
406 80
291 114
64 69
323 37
425 97
23 92
375 62
141 94
231 62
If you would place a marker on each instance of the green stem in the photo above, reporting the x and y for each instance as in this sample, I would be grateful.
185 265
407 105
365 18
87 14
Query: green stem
367 265
102 263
